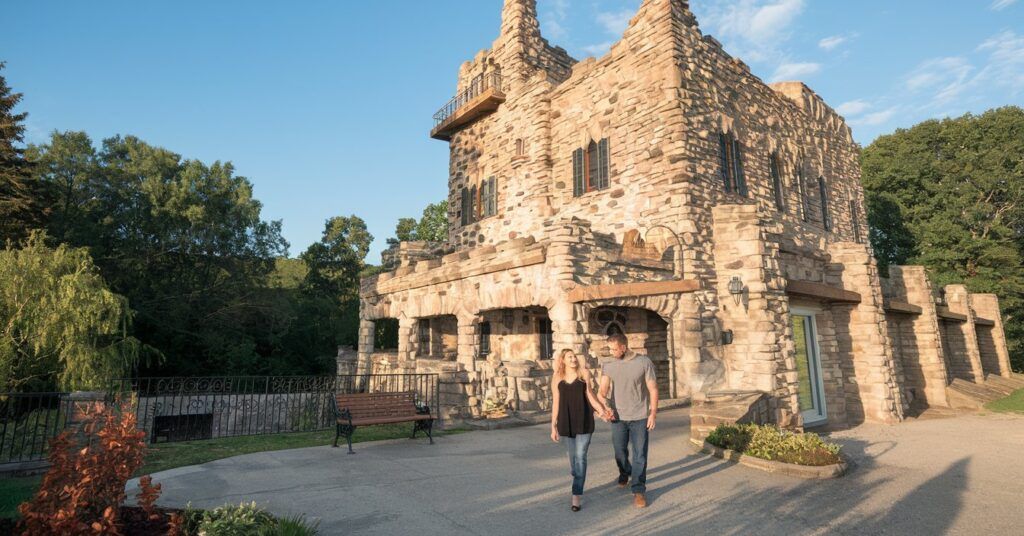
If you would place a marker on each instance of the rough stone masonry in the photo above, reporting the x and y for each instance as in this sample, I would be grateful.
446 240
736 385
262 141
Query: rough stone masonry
664 192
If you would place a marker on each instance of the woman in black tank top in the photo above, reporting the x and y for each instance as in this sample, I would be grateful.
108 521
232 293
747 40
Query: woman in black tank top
572 416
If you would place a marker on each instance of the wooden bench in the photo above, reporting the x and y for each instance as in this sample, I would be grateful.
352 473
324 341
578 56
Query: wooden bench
365 409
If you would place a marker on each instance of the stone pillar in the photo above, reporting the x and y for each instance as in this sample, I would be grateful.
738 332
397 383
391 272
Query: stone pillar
347 361
366 342
958 299
406 342
691 378
873 389
469 343
929 358
987 306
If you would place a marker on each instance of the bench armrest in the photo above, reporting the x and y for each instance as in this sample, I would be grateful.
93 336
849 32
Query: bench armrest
422 410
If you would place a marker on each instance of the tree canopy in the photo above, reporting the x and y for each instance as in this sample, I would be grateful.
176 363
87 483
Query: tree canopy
431 227
949 195
23 201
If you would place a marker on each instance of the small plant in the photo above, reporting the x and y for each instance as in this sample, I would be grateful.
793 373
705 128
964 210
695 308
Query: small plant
770 443
292 526
230 520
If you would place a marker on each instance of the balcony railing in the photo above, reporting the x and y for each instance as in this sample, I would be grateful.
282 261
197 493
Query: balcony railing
481 96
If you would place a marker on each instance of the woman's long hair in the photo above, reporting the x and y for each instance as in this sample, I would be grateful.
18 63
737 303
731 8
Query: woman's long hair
560 363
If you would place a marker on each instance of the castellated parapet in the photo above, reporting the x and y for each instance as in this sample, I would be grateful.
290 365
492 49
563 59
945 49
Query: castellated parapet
664 192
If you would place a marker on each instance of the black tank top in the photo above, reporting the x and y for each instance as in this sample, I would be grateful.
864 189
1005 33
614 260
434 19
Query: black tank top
575 416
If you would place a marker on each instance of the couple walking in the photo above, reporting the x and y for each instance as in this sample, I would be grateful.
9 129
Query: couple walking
631 408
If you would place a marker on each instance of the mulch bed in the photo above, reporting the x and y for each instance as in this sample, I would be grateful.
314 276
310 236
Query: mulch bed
134 522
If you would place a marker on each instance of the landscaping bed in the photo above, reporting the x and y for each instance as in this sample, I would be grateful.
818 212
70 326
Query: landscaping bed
765 447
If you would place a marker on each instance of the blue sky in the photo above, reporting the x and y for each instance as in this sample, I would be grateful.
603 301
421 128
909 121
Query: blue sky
326 106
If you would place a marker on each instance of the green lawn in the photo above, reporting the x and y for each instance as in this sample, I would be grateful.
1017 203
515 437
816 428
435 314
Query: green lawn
163 456
1011 404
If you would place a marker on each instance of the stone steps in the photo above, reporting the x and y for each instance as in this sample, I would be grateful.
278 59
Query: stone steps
963 394
1010 384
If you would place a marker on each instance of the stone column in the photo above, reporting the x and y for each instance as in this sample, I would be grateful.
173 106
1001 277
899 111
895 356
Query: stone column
930 358
987 306
873 389
347 361
469 343
406 342
366 341
958 299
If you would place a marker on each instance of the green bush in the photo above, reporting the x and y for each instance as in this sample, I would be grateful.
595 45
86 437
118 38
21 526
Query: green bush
291 526
770 443
230 520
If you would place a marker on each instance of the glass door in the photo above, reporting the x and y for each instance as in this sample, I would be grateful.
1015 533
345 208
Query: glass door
808 365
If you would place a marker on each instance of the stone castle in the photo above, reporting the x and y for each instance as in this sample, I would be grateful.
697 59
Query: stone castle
665 192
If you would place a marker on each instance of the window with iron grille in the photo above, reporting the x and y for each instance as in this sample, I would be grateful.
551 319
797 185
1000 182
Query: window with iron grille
547 338
773 165
485 339
590 168
826 218
731 164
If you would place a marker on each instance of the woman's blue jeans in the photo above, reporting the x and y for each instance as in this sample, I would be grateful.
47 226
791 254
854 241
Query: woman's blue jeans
577 448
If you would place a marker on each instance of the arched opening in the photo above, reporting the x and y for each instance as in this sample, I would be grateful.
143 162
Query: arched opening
646 333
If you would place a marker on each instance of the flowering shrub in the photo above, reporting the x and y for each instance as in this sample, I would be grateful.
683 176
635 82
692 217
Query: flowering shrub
770 443
85 486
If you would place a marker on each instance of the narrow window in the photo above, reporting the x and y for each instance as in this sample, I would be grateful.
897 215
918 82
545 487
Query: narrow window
731 152
547 346
474 210
855 219
424 337
490 197
485 339
773 165
826 219
520 147
578 187
466 207
603 164
593 167
801 190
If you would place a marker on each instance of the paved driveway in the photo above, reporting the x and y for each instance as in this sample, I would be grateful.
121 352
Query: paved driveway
962 475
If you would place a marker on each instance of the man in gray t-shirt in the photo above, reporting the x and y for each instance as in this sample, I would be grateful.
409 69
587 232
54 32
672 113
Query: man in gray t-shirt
630 380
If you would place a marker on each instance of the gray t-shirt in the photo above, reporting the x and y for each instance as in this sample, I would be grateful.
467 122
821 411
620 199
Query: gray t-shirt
629 375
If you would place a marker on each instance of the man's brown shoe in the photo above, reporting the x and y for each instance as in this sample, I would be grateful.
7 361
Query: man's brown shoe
639 500
623 482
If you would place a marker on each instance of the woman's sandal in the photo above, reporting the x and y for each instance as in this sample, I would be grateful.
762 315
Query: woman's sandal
575 508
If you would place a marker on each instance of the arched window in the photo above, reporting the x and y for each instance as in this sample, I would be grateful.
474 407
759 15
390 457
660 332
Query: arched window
520 147
732 164
489 197
590 168
773 165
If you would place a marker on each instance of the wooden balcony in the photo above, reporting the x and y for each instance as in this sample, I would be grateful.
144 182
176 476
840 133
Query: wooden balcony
480 98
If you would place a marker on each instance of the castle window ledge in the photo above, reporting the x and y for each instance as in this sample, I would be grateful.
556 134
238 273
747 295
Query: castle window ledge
480 98
897 306
984 321
821 291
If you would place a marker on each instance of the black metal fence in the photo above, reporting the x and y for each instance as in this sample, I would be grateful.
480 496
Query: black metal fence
475 88
186 409
27 423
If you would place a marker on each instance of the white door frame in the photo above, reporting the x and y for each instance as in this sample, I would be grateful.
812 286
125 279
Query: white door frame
820 414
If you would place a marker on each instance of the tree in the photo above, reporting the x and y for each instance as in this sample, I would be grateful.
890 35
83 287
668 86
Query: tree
184 241
431 227
62 326
22 199
949 195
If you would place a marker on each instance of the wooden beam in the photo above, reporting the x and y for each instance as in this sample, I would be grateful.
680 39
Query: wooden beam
631 290
821 291
944 313
896 306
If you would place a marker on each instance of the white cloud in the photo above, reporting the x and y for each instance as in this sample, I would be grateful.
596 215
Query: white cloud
831 42
852 108
753 29
946 78
615 23
875 119
999 5
1005 65
553 19
793 71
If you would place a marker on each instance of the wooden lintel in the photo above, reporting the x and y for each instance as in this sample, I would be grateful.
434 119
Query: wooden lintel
821 291
897 306
944 313
984 321
630 290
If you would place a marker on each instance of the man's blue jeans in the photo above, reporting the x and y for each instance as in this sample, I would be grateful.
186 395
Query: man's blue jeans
577 449
624 435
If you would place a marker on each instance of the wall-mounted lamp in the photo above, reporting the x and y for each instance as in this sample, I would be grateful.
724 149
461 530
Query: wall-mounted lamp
736 288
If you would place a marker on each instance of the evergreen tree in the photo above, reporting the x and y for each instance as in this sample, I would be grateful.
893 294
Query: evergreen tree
22 199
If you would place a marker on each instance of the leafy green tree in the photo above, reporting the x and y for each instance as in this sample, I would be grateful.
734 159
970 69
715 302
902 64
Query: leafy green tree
949 195
61 325
23 201
182 240
431 227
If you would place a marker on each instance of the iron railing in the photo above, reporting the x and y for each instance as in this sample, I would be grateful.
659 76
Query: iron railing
474 89
27 423
187 409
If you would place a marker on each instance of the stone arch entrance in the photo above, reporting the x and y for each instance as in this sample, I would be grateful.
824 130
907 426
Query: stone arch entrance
646 333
